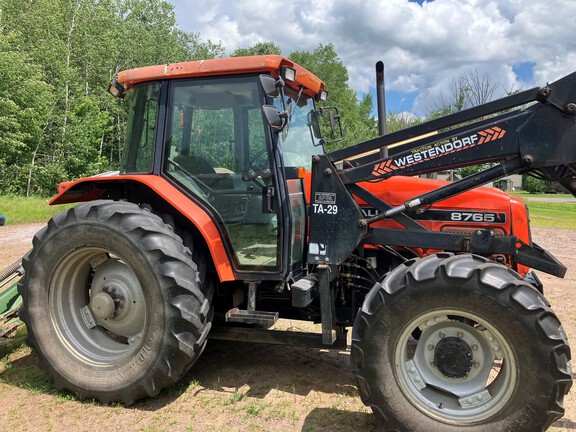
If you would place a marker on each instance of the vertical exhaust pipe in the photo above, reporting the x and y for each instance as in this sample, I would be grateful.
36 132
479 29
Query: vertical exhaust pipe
381 104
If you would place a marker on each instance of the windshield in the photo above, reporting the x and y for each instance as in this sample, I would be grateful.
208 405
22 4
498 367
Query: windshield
297 142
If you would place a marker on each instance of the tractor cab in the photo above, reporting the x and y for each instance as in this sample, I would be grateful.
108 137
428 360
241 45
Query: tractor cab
237 144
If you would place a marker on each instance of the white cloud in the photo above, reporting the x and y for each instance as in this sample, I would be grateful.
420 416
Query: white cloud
423 46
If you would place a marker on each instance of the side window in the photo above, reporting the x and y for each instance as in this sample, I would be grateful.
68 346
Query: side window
141 129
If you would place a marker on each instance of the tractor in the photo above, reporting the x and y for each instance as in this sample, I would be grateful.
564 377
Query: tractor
228 214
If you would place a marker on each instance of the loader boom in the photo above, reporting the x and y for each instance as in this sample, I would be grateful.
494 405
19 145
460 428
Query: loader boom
514 139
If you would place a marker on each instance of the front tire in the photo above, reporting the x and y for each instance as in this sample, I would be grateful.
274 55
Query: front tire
113 303
457 342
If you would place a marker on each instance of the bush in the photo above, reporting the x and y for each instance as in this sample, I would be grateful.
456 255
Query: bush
533 185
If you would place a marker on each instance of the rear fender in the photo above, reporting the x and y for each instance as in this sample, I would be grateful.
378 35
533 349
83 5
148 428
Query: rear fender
152 190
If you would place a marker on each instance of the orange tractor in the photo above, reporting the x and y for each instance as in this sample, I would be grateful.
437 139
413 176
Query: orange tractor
227 214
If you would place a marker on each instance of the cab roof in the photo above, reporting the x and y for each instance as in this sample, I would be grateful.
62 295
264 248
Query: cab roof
223 66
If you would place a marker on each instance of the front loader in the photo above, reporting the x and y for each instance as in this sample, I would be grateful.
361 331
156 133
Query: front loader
227 214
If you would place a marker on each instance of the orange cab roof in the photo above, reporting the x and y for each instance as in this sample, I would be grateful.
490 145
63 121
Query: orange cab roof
222 66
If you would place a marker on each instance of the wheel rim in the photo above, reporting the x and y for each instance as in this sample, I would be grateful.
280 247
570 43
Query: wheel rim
455 367
97 306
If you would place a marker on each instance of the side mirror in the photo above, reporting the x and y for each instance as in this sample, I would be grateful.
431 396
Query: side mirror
314 124
270 86
325 125
333 117
273 117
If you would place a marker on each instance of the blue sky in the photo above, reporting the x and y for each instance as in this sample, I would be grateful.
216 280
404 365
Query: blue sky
424 44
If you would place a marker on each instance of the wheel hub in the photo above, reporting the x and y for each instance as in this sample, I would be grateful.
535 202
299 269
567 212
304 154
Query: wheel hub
453 357
117 300
102 304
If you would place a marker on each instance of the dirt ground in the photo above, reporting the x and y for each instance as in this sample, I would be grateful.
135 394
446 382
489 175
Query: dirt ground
237 387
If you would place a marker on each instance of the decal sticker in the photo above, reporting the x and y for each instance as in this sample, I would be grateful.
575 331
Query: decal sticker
439 148
317 249
325 198
450 216
327 209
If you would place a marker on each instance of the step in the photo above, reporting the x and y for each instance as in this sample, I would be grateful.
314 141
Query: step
261 318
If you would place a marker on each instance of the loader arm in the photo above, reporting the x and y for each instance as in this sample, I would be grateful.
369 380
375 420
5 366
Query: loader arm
532 131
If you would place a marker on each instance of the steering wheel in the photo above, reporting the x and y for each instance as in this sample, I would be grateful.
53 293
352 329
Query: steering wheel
257 169
253 166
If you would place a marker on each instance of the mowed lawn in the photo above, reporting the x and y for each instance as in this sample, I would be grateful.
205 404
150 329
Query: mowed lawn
545 211
19 210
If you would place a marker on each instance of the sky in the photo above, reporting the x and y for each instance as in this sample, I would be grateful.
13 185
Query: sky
424 44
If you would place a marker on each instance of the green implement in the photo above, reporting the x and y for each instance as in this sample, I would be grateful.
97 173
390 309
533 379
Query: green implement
10 300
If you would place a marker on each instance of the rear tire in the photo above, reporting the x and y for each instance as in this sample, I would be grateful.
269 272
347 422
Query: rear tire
113 303
451 343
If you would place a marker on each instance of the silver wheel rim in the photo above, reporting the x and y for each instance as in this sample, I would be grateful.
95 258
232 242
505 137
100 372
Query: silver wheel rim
455 367
97 306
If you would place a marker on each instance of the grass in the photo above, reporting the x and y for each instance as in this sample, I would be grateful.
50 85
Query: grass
527 196
19 210
549 214
552 215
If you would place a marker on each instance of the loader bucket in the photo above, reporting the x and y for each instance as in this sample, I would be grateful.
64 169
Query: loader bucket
10 300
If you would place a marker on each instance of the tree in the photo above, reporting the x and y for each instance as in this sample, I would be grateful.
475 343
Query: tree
399 121
357 120
260 48
25 108
534 185
71 54
465 91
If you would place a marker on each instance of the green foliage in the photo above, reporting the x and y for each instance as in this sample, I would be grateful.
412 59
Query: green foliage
19 209
260 48
399 121
357 120
57 123
25 106
56 120
469 170
534 185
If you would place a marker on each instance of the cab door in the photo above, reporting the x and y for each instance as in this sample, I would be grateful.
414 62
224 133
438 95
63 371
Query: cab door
218 150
